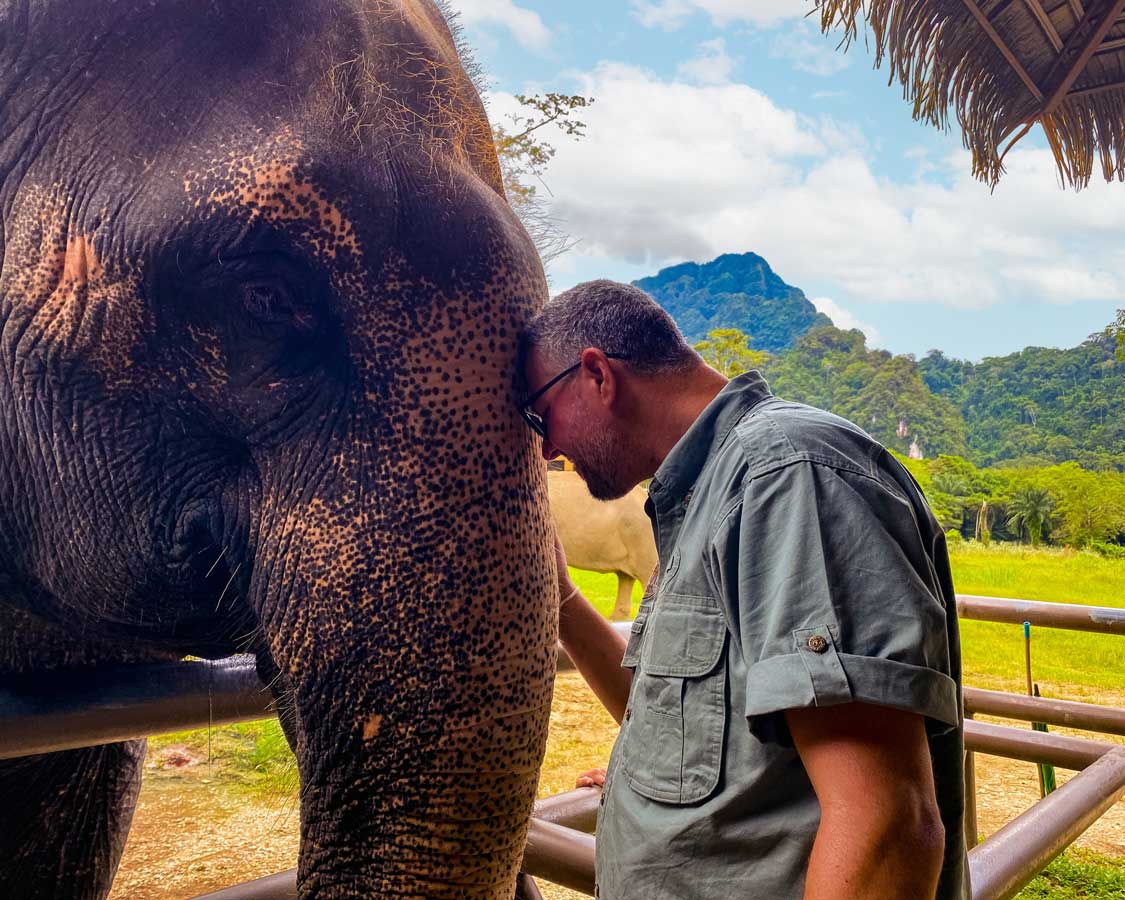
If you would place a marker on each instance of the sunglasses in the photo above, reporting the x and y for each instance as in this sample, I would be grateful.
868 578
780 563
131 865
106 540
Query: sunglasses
533 419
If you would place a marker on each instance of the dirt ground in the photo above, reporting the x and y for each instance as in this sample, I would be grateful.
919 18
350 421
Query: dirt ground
192 833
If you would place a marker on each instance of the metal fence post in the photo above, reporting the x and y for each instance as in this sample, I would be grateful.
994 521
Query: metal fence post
971 832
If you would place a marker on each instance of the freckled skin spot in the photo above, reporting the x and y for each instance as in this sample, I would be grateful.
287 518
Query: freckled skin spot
371 727
257 374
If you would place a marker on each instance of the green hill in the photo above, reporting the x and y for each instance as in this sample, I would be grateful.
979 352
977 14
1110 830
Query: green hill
1039 405
883 394
734 291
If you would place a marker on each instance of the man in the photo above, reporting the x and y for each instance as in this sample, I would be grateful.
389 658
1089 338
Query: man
790 693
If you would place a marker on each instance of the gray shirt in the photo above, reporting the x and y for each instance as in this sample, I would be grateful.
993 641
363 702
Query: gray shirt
799 566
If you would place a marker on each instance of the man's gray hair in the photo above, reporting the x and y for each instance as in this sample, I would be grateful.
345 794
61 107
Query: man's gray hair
618 319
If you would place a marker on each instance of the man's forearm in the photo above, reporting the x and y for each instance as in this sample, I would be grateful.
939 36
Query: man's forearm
596 650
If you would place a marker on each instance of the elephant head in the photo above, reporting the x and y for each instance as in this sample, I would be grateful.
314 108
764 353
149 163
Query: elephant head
259 301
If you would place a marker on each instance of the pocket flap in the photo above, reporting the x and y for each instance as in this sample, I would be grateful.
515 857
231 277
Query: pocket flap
686 637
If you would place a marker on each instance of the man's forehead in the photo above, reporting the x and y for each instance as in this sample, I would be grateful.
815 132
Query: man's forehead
533 366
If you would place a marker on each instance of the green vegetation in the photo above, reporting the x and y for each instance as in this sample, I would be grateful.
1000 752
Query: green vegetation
883 394
1065 663
1116 330
1039 406
1079 875
727 350
1064 504
253 757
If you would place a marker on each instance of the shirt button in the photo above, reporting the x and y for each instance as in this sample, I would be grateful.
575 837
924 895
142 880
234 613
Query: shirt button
817 644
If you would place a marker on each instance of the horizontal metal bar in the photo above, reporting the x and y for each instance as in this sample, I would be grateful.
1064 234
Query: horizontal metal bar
282 886
1034 746
560 855
554 852
1102 619
65 710
526 888
1105 719
576 809
1016 853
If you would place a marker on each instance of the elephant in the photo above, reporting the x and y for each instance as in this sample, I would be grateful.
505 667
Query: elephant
260 298
614 536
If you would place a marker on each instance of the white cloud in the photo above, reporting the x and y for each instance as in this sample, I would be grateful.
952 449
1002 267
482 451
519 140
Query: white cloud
661 157
841 318
525 25
671 14
672 170
667 14
809 50
712 66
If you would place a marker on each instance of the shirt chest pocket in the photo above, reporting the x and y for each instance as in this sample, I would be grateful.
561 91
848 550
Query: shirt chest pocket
672 750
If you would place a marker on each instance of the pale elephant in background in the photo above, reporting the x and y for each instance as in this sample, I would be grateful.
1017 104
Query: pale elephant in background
612 536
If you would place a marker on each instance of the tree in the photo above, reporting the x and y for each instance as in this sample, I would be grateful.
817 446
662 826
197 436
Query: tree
524 156
727 350
1091 505
1031 507
1116 328
984 524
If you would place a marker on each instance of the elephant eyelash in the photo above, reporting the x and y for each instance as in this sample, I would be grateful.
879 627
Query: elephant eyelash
274 302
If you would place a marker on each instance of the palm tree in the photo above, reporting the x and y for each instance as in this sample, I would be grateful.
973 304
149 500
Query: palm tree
1031 508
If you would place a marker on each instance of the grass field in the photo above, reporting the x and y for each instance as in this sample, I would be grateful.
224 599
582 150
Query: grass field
255 759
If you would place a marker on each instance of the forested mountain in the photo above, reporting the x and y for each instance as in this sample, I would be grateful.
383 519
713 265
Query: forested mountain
883 394
1039 405
734 291
1036 407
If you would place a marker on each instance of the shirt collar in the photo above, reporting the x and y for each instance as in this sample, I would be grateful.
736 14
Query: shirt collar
682 465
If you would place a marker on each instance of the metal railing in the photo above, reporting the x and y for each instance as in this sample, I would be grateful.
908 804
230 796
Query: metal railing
60 711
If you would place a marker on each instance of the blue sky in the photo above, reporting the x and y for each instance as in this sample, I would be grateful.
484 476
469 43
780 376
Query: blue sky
734 125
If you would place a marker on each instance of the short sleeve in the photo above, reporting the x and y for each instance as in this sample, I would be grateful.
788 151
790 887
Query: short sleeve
833 597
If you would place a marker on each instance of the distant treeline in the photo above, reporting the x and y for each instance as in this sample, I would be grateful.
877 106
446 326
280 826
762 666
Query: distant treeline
1029 446
1062 504
1037 407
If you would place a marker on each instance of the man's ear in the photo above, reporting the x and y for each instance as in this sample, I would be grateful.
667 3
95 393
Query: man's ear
596 367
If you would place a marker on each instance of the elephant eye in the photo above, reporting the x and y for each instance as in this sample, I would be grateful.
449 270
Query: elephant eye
273 302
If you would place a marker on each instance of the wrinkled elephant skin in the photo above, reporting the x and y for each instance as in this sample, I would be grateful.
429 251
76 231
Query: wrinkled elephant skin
259 301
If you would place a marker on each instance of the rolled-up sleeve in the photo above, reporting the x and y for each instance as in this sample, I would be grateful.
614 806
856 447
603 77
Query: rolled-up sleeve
833 596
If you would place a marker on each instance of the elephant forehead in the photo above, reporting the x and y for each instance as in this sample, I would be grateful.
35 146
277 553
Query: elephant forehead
270 184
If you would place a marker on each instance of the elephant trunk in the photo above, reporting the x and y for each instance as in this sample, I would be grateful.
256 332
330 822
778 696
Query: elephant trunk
418 642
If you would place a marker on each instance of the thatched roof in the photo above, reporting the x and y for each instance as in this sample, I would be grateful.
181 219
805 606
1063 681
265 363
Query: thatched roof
1001 66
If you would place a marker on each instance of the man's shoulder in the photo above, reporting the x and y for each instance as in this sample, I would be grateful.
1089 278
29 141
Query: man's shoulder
778 432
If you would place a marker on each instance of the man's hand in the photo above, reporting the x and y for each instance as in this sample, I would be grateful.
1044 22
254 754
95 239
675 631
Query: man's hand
880 835
593 778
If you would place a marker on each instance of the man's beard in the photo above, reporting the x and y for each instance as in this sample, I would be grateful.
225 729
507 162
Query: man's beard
602 463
